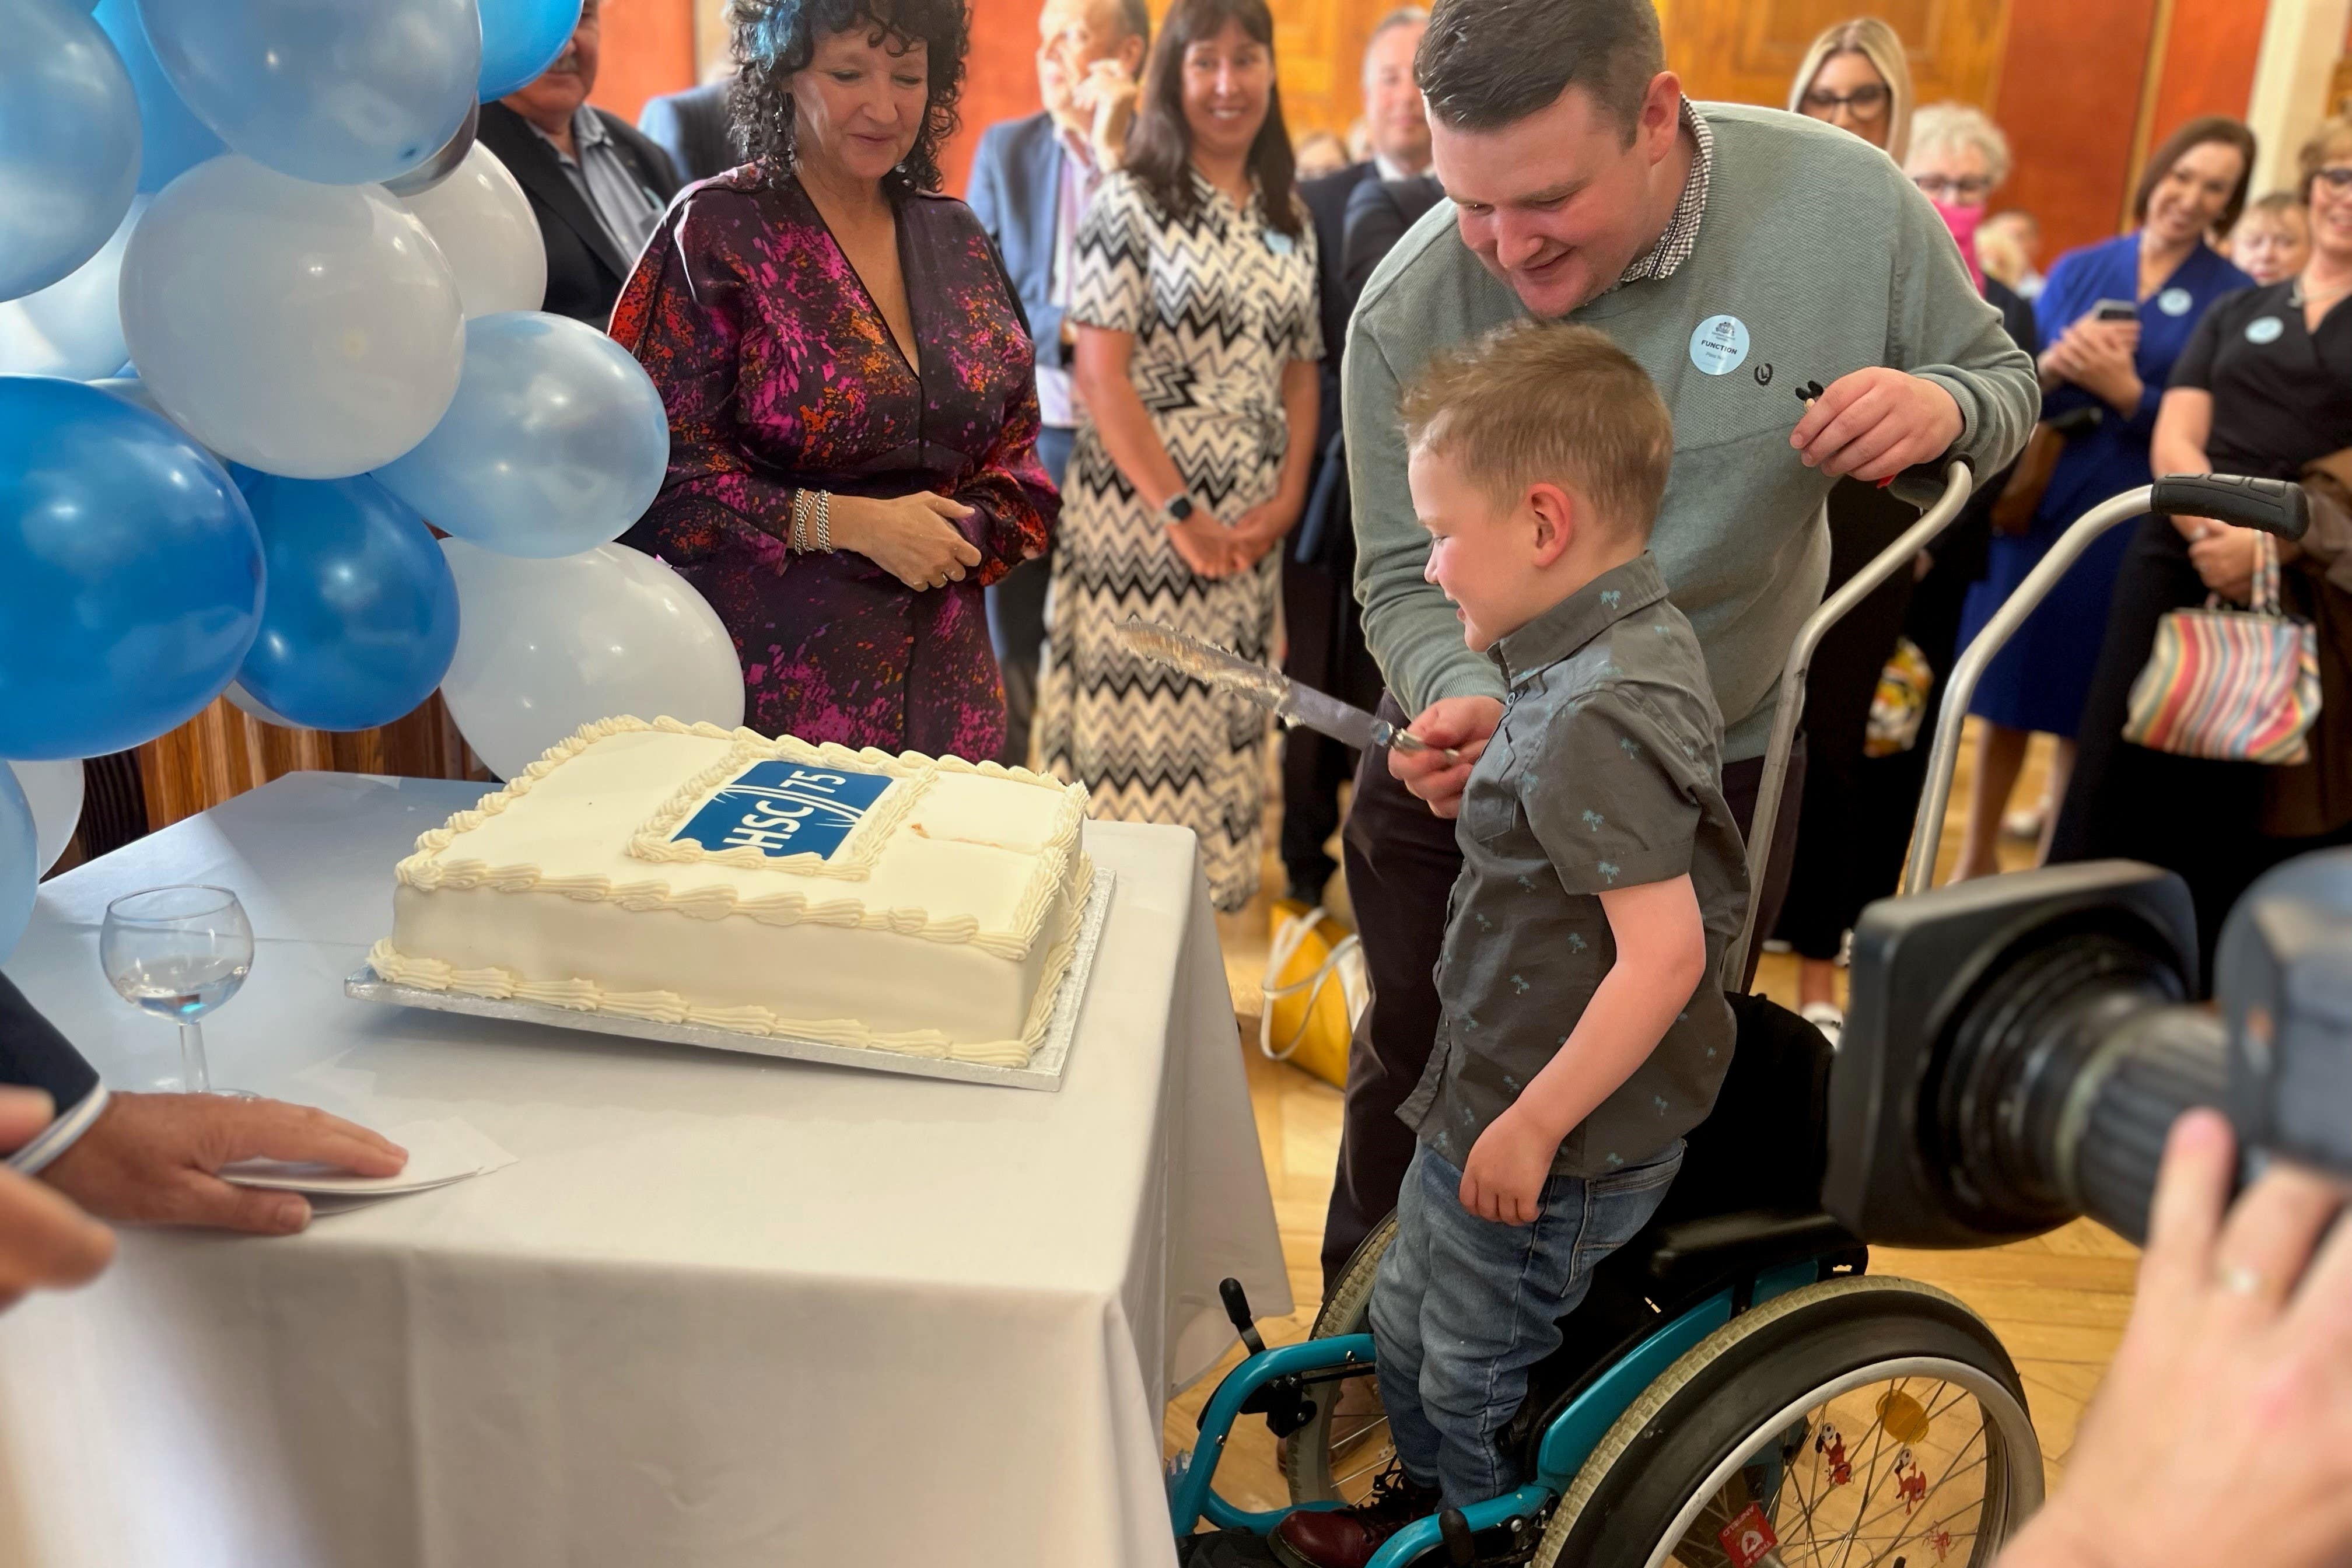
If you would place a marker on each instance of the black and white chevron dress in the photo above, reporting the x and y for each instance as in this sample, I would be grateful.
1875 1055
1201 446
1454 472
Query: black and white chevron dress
1218 305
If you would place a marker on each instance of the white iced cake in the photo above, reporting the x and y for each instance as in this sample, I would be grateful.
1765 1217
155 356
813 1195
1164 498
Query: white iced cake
687 873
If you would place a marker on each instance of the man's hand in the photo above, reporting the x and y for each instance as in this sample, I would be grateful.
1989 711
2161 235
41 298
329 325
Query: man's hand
1875 423
1461 724
2223 1432
151 1159
46 1243
1503 1180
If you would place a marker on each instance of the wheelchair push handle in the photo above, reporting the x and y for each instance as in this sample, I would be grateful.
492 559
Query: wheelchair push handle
2273 506
1237 1311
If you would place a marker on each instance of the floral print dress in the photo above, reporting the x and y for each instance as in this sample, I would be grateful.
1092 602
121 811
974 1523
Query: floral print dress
779 372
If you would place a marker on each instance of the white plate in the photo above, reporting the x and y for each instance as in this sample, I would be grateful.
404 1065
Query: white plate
439 1153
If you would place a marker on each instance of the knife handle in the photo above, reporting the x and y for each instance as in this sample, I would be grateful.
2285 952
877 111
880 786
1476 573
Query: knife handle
1397 740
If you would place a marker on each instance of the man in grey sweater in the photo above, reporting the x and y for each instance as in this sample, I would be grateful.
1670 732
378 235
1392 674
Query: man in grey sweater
1736 254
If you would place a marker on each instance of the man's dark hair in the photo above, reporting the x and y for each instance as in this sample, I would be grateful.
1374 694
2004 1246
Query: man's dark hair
1159 143
1485 64
775 39
1135 21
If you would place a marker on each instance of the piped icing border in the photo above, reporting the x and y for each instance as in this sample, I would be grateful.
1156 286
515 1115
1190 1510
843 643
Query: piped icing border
431 868
853 861
670 1008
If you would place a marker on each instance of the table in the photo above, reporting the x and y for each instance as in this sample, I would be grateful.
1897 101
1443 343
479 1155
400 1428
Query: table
723 1311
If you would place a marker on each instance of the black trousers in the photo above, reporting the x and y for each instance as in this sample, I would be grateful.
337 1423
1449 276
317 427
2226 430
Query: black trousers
1327 652
1402 863
1016 616
1839 873
2198 818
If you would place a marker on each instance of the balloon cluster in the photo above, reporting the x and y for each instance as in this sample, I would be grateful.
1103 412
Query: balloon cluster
267 310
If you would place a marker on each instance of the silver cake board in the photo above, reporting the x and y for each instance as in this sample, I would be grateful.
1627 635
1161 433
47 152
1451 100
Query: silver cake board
1044 1072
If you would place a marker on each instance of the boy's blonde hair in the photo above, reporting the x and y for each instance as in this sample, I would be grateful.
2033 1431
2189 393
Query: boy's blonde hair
1534 403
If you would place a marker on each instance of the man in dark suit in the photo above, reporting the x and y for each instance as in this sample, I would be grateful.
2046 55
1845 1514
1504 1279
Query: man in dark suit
1030 182
1326 639
598 185
694 128
1379 212
150 1159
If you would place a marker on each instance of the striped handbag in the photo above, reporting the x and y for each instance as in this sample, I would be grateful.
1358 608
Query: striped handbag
2235 686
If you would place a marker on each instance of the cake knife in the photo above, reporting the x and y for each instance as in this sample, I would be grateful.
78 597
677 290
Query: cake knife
1269 689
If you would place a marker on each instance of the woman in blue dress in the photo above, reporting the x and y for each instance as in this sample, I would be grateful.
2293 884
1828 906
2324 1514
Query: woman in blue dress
2101 380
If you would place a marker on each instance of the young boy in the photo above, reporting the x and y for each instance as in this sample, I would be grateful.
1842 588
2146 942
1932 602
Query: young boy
1583 1027
2272 239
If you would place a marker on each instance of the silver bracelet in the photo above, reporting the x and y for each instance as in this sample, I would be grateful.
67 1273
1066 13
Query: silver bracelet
798 542
824 522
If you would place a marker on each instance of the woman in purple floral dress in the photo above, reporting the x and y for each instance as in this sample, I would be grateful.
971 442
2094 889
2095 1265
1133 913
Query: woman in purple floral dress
851 389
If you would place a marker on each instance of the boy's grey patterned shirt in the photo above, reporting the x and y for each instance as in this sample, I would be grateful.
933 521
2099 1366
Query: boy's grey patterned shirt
1605 773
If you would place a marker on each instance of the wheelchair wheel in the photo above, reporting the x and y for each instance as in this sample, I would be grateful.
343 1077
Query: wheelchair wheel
1336 1455
1875 1420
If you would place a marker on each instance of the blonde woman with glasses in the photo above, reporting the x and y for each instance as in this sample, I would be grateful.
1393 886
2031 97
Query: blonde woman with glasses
1857 78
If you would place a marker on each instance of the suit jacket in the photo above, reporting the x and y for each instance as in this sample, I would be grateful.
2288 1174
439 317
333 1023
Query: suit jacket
1377 214
584 269
695 128
1016 193
1327 200
33 1055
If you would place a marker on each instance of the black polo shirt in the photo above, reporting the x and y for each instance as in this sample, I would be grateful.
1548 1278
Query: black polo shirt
2281 394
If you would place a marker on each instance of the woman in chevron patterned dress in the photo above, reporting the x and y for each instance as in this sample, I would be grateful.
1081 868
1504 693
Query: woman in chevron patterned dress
1193 295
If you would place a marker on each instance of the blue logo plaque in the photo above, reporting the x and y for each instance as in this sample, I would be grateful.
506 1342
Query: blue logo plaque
782 808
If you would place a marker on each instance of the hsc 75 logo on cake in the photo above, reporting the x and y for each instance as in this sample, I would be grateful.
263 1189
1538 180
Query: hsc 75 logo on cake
783 809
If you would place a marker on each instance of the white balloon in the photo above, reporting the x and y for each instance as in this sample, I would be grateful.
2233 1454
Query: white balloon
54 790
303 330
73 328
486 229
544 647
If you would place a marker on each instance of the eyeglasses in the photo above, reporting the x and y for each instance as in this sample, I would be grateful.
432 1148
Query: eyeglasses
1942 188
2337 176
1867 102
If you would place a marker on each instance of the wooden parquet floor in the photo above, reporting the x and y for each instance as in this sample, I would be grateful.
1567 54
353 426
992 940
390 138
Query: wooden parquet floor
2058 1301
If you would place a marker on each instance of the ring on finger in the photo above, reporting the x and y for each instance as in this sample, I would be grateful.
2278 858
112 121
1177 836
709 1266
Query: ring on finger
2238 1279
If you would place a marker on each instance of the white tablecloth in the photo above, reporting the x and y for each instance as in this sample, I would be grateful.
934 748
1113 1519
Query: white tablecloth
723 1311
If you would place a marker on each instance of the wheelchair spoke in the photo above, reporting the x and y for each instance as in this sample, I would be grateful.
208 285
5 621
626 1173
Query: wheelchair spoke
1870 1485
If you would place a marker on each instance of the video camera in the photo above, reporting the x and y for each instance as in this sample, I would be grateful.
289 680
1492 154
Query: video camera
2018 1047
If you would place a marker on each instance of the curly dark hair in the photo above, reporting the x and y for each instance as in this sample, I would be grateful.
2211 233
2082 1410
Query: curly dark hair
775 38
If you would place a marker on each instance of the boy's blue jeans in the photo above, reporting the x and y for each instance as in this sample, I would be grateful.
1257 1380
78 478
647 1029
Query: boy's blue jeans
1463 1307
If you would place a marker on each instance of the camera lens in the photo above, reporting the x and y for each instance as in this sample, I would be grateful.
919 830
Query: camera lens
2069 1059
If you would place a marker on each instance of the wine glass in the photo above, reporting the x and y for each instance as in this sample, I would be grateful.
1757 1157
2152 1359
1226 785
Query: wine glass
179 952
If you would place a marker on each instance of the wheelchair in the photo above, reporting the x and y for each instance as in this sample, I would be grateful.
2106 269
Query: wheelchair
1736 1389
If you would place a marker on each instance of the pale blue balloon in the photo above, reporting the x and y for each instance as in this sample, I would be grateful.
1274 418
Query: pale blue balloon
171 139
341 92
69 143
520 38
557 441
20 848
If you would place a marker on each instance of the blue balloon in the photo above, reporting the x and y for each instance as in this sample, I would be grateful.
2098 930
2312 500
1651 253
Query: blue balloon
130 574
339 92
362 615
520 38
69 143
20 870
171 139
557 441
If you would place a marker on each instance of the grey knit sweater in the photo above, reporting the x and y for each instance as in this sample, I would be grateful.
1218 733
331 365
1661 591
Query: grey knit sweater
1826 259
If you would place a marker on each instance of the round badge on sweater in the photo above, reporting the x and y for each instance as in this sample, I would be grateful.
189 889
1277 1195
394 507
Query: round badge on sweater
2264 330
2174 301
1719 346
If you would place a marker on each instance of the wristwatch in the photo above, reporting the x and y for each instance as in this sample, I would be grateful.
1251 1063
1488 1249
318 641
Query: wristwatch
1179 510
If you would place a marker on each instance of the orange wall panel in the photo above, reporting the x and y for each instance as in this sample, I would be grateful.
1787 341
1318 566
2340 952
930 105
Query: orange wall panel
648 50
1000 78
2209 63
2069 99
